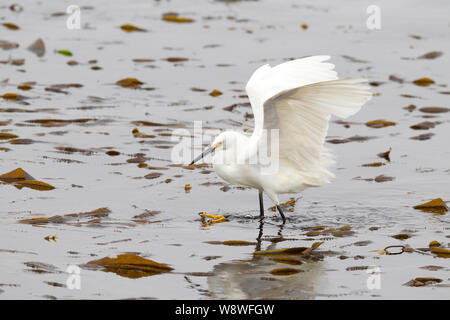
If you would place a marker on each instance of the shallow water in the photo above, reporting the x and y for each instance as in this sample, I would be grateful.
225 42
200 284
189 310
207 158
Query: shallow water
227 41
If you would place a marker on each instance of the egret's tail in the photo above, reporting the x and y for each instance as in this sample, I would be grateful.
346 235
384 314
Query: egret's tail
341 98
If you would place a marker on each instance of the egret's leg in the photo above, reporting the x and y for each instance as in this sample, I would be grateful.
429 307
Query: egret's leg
281 213
261 205
273 196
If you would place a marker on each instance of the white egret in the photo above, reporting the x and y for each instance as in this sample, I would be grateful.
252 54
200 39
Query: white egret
296 98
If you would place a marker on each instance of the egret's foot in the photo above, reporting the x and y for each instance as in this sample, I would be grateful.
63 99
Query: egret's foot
214 218
281 213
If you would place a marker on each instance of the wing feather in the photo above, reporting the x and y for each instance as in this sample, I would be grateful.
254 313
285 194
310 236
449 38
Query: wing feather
298 98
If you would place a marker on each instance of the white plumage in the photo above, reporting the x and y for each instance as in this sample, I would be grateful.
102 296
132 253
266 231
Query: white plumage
297 98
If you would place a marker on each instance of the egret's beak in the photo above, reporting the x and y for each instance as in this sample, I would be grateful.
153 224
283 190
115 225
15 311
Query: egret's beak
203 154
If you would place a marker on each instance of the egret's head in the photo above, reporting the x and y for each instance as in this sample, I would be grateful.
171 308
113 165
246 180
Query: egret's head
225 142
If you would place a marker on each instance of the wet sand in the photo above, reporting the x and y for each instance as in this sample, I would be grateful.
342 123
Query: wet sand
151 215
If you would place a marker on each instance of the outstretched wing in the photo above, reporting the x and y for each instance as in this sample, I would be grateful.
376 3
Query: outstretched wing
298 97
267 82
